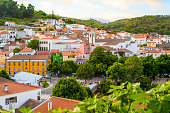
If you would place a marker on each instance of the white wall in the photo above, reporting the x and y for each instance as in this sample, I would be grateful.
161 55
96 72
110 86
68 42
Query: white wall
21 98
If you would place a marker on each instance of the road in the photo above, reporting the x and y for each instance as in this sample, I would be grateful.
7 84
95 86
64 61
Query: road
46 92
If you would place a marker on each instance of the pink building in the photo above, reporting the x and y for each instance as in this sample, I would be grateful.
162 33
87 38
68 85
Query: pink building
86 49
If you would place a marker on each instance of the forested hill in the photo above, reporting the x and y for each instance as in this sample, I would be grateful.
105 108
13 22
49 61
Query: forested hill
11 11
145 24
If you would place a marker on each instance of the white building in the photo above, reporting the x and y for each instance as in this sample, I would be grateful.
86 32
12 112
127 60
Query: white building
155 53
60 42
4 36
21 34
139 38
27 78
9 23
13 94
128 44
76 27
29 32
124 34
50 21
155 39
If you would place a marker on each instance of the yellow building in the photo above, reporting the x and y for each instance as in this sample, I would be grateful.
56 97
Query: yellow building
68 55
151 44
36 64
47 27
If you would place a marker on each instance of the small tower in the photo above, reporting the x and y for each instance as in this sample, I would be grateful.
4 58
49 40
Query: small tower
92 37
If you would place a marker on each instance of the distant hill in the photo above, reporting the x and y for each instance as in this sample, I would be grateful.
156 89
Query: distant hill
144 24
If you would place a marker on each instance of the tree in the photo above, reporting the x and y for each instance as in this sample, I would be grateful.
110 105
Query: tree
116 71
72 65
30 10
150 66
145 82
85 71
134 66
100 68
33 44
54 67
163 64
122 60
4 74
89 91
65 68
16 50
69 88
100 55
104 86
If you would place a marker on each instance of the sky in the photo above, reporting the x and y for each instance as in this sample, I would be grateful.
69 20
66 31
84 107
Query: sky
101 9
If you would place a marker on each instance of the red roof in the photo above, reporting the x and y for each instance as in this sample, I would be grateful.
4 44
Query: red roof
152 51
14 87
27 50
57 102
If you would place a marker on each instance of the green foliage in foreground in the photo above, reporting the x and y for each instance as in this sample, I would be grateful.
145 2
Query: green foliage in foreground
124 99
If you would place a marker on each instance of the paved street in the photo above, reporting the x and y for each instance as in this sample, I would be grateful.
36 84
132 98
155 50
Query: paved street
46 92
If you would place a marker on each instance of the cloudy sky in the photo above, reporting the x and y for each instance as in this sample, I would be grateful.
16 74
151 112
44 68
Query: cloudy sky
104 9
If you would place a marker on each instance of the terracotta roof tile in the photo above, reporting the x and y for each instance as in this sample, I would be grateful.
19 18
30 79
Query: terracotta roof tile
14 87
152 51
56 103
27 50
30 57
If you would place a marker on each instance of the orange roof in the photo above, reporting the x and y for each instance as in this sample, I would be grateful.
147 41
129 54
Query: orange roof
67 43
4 32
29 57
152 51
10 22
125 50
150 47
5 52
14 87
55 51
167 51
56 103
65 53
151 42
27 50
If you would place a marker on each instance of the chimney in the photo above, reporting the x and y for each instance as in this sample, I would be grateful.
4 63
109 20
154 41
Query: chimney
49 105
5 87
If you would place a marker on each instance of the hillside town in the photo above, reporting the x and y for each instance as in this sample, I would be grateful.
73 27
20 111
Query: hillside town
27 51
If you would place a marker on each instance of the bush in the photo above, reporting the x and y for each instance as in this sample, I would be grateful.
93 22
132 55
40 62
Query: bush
45 84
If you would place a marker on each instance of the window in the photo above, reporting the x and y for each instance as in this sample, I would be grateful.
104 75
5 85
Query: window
38 64
14 68
9 64
25 68
32 63
14 63
37 68
42 63
32 68
19 69
42 68
19 64
25 63
10 100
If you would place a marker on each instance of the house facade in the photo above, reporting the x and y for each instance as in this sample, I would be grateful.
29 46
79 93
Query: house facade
36 64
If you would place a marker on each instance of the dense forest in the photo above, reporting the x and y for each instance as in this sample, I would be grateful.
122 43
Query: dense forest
11 11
